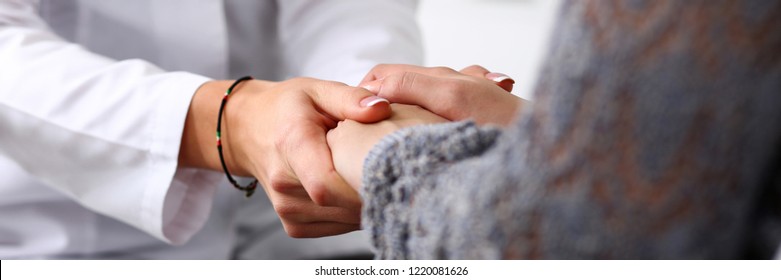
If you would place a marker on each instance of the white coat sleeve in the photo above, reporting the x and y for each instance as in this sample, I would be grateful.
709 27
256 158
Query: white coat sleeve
105 133
343 40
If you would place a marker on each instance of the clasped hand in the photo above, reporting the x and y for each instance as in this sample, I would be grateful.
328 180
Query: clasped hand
302 138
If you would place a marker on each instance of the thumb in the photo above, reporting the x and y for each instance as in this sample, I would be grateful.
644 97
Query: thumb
343 102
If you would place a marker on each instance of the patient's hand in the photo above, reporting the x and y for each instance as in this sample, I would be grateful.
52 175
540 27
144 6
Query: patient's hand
454 95
351 141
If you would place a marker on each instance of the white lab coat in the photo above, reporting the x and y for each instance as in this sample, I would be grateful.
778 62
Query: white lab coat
93 97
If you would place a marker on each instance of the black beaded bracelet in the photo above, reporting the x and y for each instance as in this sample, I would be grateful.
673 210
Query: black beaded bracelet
249 189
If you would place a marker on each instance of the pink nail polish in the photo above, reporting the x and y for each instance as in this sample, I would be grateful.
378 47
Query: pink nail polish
373 100
499 77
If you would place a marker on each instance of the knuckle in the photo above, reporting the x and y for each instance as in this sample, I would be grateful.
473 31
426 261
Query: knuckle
280 182
451 113
320 194
456 87
295 230
456 97
391 85
474 68
441 70
286 211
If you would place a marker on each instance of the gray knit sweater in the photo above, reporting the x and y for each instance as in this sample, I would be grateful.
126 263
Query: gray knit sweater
655 133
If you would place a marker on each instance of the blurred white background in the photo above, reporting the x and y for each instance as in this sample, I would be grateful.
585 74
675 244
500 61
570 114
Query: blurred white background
506 36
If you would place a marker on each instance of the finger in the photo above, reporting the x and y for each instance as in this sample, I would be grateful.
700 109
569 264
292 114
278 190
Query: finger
384 70
292 202
332 214
441 96
476 71
321 229
310 159
343 102
501 80
301 209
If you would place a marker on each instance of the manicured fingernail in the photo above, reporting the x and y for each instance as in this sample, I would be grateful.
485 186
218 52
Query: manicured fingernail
373 100
499 77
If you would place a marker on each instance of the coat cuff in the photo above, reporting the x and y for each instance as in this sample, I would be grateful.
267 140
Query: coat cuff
177 207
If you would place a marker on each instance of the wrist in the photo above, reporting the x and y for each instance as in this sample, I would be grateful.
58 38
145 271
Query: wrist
199 148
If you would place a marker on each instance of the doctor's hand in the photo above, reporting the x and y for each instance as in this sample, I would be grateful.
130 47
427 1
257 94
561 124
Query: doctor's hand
472 93
351 141
276 132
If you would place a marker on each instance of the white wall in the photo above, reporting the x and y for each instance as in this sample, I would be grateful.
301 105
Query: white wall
507 36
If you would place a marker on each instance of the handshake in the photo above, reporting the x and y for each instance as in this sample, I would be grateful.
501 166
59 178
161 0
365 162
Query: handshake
305 140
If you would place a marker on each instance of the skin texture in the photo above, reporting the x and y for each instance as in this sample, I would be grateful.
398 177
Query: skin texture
276 132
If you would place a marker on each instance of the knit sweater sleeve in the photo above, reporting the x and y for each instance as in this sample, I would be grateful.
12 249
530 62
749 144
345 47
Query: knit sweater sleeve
402 172
654 133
